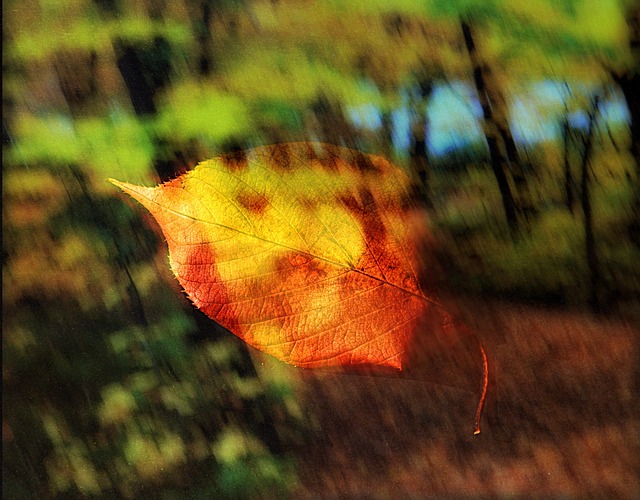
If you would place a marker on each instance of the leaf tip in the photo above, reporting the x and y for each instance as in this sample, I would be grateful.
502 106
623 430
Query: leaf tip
125 186
139 193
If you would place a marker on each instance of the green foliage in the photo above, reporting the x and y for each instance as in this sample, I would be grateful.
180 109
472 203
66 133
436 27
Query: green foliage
109 147
72 26
379 6
51 138
199 111
248 478
120 145
278 113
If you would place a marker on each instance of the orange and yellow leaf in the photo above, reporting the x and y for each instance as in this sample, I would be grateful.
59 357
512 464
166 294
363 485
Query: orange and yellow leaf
306 251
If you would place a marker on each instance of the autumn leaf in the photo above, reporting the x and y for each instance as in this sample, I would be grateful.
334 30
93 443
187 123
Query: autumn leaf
306 251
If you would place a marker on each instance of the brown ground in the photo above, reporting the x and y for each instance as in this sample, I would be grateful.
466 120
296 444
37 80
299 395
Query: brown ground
561 420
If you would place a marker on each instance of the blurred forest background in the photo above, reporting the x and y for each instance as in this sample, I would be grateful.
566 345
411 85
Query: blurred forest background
520 119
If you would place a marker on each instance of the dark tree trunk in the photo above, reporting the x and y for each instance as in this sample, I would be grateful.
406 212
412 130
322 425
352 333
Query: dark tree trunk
108 8
593 261
386 135
418 160
523 203
77 74
418 153
569 184
629 83
202 30
630 86
145 70
498 158
418 148
141 92
8 106
333 127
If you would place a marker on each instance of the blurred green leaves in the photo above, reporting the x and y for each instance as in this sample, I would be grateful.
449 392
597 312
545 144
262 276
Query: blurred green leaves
72 26
200 111
117 145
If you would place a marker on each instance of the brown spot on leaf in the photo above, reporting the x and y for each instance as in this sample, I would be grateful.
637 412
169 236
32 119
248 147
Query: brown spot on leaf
235 161
253 202
363 162
281 158
327 156
309 151
367 212
178 182
349 201
329 161
368 201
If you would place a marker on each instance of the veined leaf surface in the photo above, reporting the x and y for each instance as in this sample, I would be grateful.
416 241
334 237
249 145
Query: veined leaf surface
306 251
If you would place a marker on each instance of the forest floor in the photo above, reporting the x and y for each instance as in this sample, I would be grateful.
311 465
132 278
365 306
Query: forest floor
562 416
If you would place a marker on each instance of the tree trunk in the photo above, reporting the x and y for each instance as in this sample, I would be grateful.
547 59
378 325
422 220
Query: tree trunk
523 202
569 185
145 69
418 162
386 134
593 261
629 83
202 29
418 159
140 90
498 158
332 125
630 86
77 73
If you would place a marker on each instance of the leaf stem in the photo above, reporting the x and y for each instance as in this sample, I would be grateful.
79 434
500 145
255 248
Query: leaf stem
485 384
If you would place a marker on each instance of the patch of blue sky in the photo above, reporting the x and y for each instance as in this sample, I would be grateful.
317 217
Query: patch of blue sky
615 110
550 92
454 116
530 124
366 117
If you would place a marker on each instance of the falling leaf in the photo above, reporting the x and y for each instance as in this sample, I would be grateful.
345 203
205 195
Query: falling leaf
306 251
